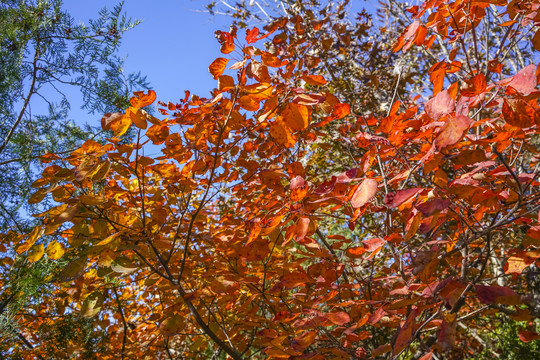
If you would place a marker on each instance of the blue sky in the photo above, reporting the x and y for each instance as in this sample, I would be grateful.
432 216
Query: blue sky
173 45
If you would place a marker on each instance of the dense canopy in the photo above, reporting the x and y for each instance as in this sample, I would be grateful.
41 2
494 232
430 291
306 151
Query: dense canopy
292 215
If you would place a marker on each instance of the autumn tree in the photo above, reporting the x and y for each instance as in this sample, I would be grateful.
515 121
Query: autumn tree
231 243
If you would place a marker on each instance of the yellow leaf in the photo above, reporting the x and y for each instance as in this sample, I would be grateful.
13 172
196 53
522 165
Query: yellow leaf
32 237
120 125
55 250
108 239
36 253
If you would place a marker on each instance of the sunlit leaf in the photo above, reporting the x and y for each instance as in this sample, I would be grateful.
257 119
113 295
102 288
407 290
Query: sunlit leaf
218 67
55 250
35 253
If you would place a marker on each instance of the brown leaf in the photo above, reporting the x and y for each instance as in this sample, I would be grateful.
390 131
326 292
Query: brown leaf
73 270
172 325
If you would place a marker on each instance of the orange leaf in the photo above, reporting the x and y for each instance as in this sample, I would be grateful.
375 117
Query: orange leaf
299 189
355 252
225 82
296 116
108 119
32 238
314 79
364 193
137 117
158 133
453 130
515 265
249 103
339 111
282 134
141 99
217 67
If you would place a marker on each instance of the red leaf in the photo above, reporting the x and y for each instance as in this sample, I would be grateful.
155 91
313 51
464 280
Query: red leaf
251 35
527 336
497 295
364 193
377 315
347 176
339 318
405 334
373 244
397 198
430 207
523 82
301 228
440 105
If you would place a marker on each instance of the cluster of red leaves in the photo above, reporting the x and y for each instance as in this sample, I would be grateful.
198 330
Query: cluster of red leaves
228 240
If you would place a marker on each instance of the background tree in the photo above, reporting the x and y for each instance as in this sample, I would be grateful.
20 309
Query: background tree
45 54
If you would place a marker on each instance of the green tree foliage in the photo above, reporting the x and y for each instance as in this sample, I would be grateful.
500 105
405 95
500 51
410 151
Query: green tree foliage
46 55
